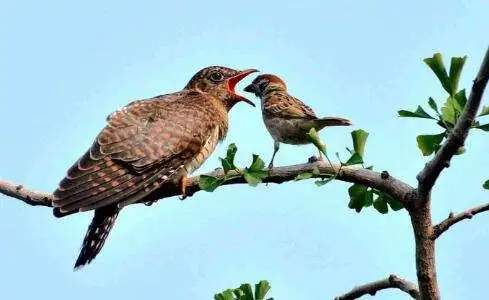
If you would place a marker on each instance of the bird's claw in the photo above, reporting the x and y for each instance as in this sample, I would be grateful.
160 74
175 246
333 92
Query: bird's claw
184 188
313 159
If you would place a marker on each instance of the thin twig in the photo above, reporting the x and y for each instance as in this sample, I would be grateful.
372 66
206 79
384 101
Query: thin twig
391 282
453 219
456 138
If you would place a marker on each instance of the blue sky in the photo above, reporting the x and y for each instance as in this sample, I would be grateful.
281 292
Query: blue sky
65 66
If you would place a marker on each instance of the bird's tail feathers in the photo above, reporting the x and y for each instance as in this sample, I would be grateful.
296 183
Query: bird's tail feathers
98 230
332 121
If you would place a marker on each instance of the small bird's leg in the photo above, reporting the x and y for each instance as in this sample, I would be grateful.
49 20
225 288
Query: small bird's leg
276 146
321 158
184 182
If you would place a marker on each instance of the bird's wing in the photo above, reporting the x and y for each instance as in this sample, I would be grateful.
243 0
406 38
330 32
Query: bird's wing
141 147
285 106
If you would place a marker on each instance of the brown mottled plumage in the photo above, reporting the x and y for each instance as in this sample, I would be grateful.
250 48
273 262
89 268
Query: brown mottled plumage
287 118
145 144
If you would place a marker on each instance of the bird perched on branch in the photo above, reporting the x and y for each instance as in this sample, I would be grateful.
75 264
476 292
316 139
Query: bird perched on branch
145 144
287 118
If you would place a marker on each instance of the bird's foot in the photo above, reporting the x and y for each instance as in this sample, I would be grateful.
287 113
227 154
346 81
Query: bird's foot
269 172
149 203
184 183
313 159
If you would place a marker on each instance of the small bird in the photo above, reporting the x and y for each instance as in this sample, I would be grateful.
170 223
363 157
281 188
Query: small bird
145 144
287 118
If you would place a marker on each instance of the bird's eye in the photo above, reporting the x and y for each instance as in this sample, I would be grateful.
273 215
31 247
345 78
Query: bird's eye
216 76
263 85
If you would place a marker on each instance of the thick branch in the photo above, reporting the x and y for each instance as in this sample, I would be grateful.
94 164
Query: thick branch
457 136
390 185
425 250
453 219
393 281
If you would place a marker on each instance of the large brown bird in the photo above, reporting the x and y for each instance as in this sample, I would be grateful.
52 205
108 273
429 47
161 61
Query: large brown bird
287 118
145 144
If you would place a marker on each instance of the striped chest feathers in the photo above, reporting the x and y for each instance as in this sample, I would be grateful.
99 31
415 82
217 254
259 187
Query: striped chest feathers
208 147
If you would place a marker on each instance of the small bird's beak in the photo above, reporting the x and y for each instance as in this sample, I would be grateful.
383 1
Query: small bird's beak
251 88
233 81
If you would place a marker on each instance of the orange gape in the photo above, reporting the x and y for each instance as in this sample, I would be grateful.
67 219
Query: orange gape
287 118
145 144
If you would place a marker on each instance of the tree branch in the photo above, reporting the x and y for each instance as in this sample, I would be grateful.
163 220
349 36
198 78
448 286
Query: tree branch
456 138
393 281
30 197
388 184
453 219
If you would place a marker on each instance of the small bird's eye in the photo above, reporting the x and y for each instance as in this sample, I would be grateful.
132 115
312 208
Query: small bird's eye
216 76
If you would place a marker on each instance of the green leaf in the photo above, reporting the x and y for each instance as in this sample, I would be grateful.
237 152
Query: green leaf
323 181
261 289
355 159
484 127
436 65
226 165
418 113
461 100
456 67
453 107
486 185
393 203
255 173
231 152
247 292
359 138
257 164
357 193
484 111
448 113
369 198
209 183
312 136
228 162
225 295
252 178
380 204
429 143
303 175
432 104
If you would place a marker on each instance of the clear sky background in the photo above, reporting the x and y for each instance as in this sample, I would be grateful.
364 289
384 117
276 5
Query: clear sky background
65 66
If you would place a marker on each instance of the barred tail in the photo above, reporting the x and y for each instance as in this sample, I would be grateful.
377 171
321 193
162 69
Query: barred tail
98 230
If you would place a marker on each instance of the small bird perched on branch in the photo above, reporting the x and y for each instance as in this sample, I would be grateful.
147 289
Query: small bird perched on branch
287 118
145 144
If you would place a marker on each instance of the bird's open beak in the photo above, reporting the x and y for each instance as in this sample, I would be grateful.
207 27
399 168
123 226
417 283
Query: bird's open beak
233 81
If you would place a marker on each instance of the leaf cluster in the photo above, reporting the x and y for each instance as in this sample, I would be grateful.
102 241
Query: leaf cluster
245 292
